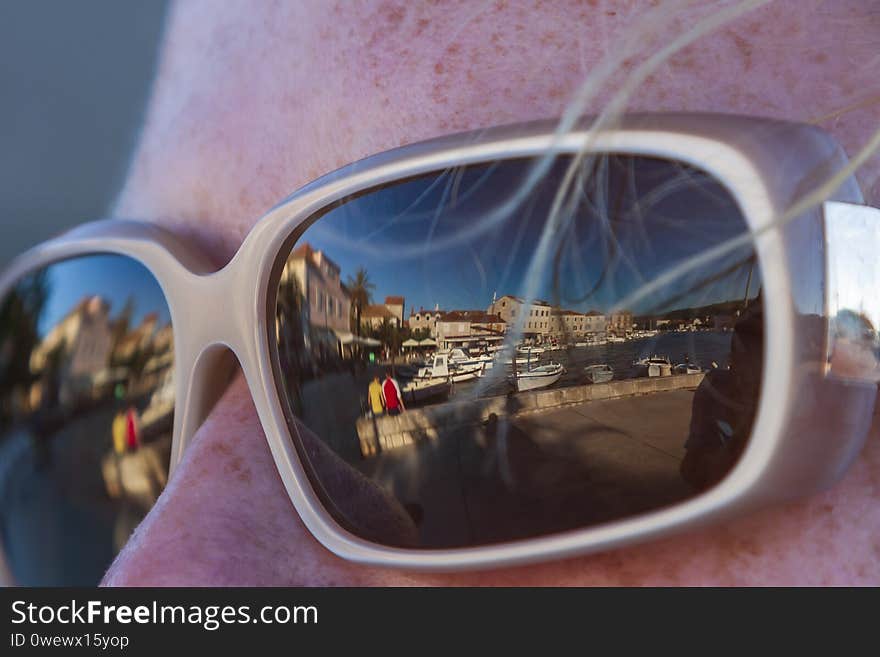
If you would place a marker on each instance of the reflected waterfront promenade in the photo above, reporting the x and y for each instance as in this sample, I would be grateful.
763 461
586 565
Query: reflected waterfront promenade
548 469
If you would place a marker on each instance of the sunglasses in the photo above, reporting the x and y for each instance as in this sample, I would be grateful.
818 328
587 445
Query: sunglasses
492 348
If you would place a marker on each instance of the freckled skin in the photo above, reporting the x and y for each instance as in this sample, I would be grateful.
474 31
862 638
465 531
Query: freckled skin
253 101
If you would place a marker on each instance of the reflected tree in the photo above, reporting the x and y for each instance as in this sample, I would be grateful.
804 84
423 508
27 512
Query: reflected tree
360 290
291 321
19 318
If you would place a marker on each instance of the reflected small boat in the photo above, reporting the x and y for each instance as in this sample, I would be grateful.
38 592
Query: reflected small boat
599 373
442 371
687 368
538 377
421 391
654 366
460 358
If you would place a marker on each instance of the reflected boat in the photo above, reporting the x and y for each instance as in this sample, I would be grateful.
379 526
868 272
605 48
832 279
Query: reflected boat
419 391
460 358
602 373
687 368
538 377
442 371
654 366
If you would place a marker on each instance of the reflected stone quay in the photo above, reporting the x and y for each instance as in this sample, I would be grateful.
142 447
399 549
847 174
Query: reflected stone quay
382 434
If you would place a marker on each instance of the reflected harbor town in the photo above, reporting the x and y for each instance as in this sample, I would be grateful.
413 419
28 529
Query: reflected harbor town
490 379
86 417
418 399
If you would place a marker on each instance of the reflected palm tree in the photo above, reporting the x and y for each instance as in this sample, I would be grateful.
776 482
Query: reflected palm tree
360 290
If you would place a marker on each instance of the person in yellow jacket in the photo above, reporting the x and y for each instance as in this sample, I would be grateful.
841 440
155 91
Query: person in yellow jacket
119 430
377 401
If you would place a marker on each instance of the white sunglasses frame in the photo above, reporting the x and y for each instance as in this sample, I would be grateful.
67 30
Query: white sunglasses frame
814 266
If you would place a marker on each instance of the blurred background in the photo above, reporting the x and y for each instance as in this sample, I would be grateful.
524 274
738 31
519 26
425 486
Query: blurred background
74 80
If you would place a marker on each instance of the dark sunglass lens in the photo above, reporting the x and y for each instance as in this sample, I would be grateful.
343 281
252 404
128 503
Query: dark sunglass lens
474 357
86 408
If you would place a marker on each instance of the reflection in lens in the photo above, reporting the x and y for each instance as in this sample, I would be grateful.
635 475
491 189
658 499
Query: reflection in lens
86 414
473 371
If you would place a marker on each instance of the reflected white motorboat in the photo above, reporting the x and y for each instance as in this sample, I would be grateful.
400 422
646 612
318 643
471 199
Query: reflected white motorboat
441 370
601 373
687 368
460 358
538 377
654 366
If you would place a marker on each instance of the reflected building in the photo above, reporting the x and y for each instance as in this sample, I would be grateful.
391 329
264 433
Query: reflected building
595 324
620 323
75 352
544 321
425 321
536 316
395 306
136 341
468 328
317 277
570 323
375 316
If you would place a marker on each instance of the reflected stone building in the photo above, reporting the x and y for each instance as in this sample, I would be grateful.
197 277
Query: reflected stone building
374 316
536 316
425 321
469 328
620 323
395 306
578 325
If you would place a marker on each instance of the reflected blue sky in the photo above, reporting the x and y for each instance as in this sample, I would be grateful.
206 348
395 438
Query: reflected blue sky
633 219
112 277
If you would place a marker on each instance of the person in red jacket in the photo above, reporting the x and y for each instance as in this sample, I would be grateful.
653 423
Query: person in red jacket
392 396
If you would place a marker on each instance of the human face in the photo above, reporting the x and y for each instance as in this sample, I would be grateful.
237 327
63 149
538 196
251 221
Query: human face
254 101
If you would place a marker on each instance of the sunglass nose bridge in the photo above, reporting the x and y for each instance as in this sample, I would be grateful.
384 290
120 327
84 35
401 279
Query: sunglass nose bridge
213 313
202 384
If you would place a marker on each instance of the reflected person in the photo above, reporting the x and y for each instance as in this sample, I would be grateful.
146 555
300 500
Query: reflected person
725 404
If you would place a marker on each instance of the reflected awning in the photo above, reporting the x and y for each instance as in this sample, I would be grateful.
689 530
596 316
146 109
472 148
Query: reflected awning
347 337
427 342
410 343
